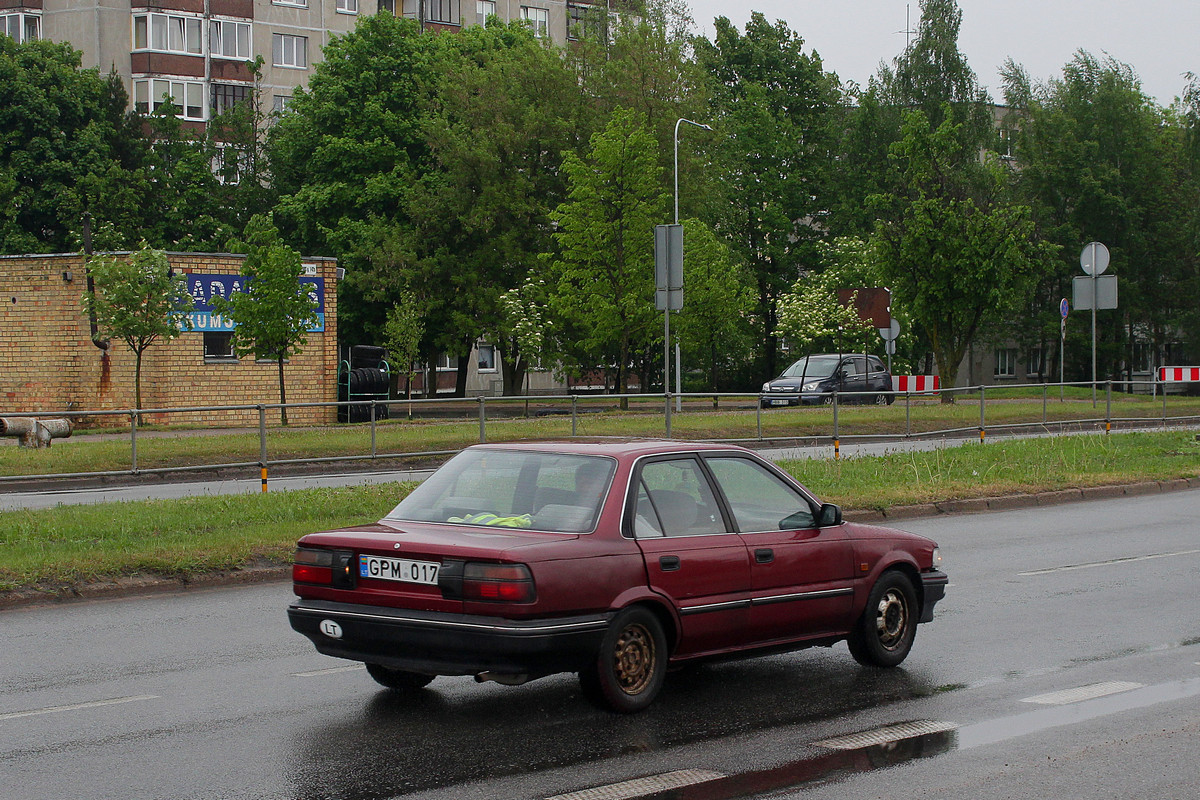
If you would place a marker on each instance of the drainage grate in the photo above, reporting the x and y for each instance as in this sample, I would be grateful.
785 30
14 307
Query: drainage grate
639 787
1090 692
886 735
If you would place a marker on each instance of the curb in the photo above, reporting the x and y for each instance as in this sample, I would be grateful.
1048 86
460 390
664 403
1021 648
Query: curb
139 585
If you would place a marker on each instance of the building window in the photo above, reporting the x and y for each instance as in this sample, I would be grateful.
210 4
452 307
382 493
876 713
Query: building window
446 362
1006 362
442 11
227 95
229 39
218 347
280 103
299 3
149 94
1035 361
486 359
582 21
167 33
289 51
347 6
21 27
388 5
484 9
538 19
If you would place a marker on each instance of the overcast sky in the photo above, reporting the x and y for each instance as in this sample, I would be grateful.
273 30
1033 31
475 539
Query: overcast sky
1160 39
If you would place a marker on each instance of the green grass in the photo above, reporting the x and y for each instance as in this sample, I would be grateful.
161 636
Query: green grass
51 549
599 417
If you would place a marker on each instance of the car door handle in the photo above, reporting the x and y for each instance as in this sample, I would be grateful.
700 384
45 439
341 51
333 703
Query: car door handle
764 555
669 563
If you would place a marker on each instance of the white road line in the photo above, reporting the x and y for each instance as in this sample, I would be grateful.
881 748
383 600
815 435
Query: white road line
78 706
1078 695
1107 563
652 784
316 673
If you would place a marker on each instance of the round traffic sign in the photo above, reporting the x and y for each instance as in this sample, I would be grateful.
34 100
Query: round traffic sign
1064 307
1094 258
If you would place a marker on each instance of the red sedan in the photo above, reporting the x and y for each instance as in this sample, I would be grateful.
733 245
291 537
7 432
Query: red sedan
615 561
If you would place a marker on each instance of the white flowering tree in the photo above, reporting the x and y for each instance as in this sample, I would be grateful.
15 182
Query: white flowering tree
810 316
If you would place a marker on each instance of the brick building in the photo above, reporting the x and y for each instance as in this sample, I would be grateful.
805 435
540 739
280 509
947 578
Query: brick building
50 363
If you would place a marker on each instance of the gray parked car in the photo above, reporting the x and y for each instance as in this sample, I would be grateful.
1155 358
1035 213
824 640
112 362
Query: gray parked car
814 379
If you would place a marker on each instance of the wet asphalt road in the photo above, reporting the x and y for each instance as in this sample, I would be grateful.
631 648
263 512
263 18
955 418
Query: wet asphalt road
209 694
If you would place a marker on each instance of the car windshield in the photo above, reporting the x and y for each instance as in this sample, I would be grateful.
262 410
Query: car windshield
815 367
512 489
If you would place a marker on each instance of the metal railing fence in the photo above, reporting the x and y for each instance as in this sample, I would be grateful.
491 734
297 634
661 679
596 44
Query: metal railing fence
834 419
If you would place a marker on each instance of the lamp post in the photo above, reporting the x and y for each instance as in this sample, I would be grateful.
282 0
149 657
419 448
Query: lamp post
667 312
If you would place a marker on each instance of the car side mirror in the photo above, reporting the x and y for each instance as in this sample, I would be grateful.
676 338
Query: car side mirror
829 516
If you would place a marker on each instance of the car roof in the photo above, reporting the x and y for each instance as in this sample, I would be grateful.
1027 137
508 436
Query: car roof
612 448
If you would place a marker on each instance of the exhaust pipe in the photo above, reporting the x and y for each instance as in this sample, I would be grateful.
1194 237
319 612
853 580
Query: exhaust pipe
35 432
502 678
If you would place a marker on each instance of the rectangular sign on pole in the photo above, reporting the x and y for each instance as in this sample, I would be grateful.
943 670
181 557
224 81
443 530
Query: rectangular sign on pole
668 267
1106 292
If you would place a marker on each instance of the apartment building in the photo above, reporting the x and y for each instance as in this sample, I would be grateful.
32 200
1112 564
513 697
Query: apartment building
195 51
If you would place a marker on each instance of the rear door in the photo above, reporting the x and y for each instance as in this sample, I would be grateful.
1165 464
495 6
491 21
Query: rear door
691 555
802 576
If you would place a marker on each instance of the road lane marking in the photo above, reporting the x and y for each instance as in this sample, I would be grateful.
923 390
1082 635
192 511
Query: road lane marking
78 706
639 787
1079 694
886 735
316 673
1109 563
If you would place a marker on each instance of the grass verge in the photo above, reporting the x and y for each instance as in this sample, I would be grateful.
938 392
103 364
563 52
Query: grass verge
58 548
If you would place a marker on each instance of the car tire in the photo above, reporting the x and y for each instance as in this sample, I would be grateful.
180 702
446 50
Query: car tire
631 665
883 399
398 679
884 633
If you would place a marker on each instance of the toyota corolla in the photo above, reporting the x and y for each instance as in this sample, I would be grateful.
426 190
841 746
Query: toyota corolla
616 561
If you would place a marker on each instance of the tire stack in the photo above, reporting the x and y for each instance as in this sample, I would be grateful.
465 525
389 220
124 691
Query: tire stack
364 377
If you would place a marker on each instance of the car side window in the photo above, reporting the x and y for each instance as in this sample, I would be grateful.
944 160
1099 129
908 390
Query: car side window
674 499
848 368
759 499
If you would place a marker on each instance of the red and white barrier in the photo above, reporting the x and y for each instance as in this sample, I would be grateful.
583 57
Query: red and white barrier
915 383
1179 374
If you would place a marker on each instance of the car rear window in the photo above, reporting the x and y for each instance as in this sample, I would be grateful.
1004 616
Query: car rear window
514 489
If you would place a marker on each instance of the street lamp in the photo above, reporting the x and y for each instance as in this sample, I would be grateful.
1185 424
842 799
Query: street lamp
667 311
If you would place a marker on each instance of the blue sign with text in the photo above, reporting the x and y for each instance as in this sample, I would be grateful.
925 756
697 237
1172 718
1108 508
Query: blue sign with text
203 288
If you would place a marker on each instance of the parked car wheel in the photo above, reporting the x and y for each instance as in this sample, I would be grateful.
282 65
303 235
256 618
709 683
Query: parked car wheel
397 678
884 633
632 663
883 399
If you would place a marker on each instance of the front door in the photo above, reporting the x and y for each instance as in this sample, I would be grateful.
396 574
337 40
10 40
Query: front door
802 576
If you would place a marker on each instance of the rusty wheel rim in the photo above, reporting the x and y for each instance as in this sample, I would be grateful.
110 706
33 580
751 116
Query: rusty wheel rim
634 659
891 619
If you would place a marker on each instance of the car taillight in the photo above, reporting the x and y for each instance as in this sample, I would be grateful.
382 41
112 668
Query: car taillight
498 583
328 567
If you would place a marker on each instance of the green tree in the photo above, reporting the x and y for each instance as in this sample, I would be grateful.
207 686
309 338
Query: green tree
347 152
68 146
952 260
769 101
139 300
602 287
402 334
810 317
1100 161
718 298
273 312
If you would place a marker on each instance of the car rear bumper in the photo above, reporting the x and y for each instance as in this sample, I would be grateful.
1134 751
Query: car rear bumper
438 643
934 589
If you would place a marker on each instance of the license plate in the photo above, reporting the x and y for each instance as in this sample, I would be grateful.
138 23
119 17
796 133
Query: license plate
779 402
398 569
